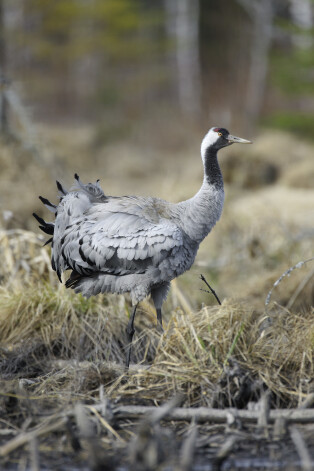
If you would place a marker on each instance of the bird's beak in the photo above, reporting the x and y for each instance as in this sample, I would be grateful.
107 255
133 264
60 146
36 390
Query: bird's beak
239 140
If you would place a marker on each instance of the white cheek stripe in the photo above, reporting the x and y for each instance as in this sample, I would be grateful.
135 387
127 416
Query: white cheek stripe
210 139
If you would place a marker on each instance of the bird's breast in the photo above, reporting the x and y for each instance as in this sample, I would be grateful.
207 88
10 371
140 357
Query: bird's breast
180 260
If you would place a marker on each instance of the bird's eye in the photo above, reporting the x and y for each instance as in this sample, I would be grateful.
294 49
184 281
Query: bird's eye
220 134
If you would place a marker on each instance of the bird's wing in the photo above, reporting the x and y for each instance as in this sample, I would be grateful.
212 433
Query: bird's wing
123 236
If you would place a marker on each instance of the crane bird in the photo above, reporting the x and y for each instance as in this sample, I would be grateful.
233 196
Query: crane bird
134 244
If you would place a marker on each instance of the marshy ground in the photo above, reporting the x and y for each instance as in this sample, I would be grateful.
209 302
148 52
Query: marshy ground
66 401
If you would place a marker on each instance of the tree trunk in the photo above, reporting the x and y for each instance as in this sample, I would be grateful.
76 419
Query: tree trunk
301 12
183 27
3 82
261 13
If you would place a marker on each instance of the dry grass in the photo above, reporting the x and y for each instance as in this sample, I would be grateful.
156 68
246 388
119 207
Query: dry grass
60 352
45 328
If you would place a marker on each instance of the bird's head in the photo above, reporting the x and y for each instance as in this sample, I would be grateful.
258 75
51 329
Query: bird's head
216 138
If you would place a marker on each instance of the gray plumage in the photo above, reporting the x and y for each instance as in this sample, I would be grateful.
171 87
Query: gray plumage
130 243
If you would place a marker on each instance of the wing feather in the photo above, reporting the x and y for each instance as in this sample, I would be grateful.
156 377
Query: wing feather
113 240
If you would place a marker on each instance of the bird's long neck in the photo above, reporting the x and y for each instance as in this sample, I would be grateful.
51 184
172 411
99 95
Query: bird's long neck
212 172
203 210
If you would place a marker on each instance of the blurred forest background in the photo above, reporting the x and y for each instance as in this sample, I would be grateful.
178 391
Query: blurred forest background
125 64
124 91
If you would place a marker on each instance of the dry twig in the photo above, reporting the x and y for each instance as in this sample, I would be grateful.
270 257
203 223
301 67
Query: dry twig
27 437
211 290
286 273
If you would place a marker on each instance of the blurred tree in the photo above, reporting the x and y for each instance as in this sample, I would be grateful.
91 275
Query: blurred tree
225 38
290 104
3 78
261 13
91 50
183 27
127 61
301 14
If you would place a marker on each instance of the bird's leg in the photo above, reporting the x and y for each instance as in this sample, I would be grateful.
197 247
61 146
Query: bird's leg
159 320
130 332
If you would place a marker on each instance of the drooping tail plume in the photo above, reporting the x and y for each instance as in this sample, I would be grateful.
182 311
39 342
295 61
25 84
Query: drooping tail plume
47 227
61 189
52 207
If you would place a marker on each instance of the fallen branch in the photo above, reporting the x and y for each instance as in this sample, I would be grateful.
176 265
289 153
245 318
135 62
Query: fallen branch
205 414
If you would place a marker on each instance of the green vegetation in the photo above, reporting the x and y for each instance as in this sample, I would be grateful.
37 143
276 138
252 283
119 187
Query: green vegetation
293 73
291 76
300 124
